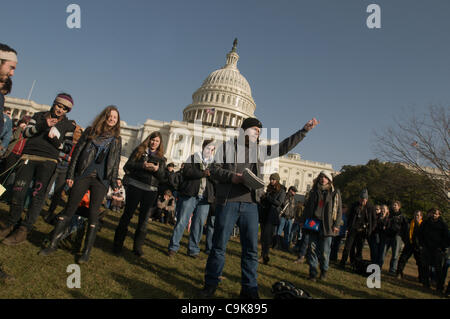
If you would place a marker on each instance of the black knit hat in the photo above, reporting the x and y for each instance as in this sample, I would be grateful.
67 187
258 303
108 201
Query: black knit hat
250 122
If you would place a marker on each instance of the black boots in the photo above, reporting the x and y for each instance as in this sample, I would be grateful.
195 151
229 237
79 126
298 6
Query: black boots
56 237
88 244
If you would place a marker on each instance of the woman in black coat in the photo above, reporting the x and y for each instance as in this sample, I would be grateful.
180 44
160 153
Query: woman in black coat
270 209
145 170
94 166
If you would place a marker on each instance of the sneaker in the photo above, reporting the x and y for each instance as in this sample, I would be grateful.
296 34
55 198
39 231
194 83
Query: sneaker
323 275
171 253
312 278
208 291
300 260
193 255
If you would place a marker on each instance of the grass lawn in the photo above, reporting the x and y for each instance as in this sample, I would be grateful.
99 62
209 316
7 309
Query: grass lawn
155 275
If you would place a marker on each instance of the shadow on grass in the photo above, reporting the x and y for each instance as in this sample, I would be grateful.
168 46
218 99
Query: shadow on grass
140 289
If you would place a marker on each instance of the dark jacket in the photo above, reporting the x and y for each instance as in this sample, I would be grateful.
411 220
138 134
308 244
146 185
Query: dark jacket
331 218
134 168
271 205
84 155
362 220
2 104
434 234
38 142
192 176
289 211
397 225
380 226
226 163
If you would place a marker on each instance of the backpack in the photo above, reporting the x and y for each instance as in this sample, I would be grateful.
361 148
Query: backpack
286 290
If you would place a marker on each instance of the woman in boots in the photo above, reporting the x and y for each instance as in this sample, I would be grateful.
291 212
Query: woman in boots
270 210
144 172
94 166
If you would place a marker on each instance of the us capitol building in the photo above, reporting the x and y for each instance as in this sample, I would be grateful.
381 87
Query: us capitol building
218 107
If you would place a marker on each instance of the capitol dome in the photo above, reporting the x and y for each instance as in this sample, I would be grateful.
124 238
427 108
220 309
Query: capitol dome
224 99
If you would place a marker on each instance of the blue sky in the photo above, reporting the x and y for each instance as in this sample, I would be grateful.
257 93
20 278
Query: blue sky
303 59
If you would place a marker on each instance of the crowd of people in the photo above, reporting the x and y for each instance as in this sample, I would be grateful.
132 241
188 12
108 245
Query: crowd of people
210 193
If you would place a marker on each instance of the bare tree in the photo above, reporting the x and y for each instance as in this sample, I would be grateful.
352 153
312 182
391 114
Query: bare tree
421 143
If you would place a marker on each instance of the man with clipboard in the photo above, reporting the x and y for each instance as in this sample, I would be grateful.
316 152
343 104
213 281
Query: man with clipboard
235 163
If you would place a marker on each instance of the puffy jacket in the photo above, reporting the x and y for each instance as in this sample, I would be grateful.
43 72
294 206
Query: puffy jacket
134 168
271 205
83 156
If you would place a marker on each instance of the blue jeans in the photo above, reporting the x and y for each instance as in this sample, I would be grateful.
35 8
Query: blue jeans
318 252
245 215
396 244
186 206
286 227
209 233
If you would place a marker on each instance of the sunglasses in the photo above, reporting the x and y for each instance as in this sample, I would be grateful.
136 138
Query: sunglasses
62 106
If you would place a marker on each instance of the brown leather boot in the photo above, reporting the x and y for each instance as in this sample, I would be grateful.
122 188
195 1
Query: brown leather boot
17 237
5 231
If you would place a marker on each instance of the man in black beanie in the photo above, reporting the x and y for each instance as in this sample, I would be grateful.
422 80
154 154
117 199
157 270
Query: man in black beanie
236 201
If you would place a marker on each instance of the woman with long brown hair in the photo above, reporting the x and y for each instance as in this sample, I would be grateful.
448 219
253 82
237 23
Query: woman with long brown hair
270 209
94 166
144 172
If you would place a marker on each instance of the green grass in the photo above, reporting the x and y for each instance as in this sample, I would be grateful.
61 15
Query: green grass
155 275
